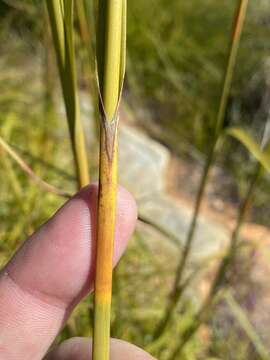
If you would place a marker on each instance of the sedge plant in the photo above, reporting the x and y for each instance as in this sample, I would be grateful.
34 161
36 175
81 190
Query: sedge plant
61 22
111 39
239 20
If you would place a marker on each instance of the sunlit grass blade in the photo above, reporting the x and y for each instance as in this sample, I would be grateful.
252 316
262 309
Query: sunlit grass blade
250 144
226 87
61 20
111 41
27 169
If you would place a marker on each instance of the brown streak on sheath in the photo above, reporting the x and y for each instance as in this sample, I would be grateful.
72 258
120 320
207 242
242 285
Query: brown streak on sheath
109 128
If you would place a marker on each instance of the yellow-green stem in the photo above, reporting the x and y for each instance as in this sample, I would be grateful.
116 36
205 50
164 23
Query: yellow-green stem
110 74
230 67
105 245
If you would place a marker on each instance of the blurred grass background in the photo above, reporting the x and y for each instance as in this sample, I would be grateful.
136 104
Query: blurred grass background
176 56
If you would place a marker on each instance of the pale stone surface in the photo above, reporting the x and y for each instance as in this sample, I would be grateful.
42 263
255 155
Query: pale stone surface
164 211
143 166
142 163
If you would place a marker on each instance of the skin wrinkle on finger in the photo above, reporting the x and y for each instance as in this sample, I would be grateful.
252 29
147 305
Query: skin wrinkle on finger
55 303
52 272
13 300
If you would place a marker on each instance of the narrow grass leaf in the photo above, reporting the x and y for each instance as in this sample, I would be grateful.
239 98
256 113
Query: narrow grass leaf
61 21
250 144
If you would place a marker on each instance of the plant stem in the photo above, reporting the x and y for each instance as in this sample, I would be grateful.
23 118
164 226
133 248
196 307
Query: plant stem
111 30
226 87
239 20
228 260
61 20
88 59
177 286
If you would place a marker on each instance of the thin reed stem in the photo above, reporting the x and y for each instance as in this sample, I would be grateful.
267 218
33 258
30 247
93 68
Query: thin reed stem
238 25
61 21
226 87
88 60
110 60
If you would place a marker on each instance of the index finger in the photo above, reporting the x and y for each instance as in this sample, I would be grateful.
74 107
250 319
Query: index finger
52 271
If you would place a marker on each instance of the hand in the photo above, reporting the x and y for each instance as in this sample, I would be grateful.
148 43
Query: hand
50 274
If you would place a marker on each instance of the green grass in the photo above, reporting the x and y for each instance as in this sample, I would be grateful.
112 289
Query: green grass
183 66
